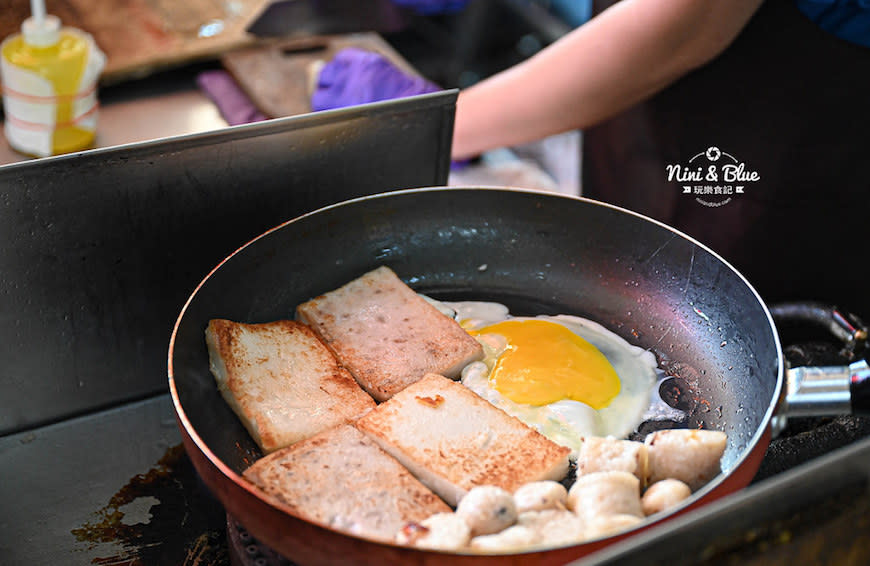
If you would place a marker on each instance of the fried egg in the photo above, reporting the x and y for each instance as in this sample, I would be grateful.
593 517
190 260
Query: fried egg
566 376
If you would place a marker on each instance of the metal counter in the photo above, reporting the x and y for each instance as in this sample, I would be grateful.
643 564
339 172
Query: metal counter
102 248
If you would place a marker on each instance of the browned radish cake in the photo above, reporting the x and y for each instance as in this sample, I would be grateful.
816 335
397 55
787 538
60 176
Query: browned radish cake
386 334
281 381
340 478
453 440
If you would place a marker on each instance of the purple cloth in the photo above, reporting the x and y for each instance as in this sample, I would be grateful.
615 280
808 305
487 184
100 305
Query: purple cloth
355 76
431 7
232 102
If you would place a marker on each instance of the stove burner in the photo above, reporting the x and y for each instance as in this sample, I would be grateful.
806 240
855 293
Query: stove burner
245 550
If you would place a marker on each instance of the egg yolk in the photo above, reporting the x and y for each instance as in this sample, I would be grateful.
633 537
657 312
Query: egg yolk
545 362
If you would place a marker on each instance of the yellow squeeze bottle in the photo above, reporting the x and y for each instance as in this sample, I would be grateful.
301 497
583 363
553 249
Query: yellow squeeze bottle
49 78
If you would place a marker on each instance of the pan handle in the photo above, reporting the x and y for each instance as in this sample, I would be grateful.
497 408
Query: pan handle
815 391
859 386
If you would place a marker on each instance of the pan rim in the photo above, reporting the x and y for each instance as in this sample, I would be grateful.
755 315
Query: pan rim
696 498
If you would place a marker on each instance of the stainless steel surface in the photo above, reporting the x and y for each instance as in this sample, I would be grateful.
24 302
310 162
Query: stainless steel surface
819 391
101 248
55 479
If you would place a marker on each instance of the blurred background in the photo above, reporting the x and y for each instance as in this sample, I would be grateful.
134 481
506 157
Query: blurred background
157 48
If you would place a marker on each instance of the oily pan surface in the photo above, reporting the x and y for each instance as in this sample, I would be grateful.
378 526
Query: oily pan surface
539 254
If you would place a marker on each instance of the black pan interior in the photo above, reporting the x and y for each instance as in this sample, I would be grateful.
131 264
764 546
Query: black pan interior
538 253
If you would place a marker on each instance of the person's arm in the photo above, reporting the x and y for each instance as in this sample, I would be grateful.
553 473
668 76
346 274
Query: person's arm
625 54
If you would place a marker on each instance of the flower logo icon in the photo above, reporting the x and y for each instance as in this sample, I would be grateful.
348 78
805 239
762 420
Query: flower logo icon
713 153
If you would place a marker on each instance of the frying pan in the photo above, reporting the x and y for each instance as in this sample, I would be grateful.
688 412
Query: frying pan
539 253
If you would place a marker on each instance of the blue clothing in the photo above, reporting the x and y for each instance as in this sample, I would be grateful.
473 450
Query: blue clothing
846 19
433 7
572 12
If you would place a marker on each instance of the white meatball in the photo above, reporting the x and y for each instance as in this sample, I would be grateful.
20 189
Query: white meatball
487 509
539 495
605 493
663 495
608 454
689 455
555 527
441 531
609 525
515 538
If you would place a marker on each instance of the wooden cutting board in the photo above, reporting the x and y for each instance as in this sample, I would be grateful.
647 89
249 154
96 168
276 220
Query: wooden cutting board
143 36
278 76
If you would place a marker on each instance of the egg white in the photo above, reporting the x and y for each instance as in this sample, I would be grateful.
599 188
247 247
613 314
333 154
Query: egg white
565 422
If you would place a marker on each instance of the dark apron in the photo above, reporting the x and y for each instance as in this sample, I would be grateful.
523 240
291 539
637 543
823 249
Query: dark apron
792 103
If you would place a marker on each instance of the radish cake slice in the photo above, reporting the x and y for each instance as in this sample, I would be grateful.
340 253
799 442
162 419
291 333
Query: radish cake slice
454 440
387 335
341 479
281 381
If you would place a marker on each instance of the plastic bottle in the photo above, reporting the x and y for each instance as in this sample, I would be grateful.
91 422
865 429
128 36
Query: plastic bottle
49 79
